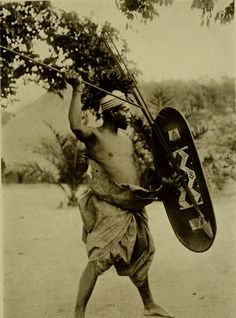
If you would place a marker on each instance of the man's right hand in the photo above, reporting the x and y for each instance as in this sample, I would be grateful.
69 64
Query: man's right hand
75 80
175 181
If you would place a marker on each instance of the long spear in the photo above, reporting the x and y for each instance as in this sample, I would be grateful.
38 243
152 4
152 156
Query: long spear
26 57
141 105
137 95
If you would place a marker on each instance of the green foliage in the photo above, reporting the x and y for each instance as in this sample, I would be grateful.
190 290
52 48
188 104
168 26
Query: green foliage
207 7
226 15
146 10
142 134
35 173
69 42
210 110
218 149
108 80
159 99
67 157
194 96
142 140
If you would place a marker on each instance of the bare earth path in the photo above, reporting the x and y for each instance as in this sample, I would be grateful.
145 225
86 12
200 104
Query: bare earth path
44 255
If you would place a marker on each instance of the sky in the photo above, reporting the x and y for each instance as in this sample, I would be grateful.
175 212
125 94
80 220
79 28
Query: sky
172 46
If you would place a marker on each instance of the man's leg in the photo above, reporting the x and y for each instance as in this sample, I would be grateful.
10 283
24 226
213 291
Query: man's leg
150 307
86 286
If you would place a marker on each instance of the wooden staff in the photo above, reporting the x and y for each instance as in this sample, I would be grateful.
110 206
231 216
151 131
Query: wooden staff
25 57
140 104
140 100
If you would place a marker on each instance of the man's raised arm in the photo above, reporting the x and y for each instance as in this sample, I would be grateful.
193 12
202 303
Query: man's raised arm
81 131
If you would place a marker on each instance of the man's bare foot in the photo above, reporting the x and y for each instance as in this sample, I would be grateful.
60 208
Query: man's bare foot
156 310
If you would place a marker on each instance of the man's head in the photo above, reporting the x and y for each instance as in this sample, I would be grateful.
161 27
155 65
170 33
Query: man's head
115 110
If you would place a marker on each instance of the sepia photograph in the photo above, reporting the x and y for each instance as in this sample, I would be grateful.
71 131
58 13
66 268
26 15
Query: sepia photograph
118 159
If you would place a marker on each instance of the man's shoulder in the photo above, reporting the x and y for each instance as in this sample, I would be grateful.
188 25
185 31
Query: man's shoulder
124 134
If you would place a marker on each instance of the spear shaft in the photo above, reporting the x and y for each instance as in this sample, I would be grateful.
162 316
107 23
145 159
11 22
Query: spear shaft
26 57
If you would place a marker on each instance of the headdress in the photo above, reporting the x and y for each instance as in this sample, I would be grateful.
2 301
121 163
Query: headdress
110 101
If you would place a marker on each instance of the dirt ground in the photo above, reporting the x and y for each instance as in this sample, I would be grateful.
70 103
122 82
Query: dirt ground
44 256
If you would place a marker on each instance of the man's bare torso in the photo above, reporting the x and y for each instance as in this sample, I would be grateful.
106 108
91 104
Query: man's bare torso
115 153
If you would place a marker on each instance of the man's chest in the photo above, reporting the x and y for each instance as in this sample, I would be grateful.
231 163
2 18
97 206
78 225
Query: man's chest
110 146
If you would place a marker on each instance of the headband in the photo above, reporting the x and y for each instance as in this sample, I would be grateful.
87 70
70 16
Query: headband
109 101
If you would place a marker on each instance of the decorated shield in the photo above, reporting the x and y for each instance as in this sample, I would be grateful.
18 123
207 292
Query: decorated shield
189 207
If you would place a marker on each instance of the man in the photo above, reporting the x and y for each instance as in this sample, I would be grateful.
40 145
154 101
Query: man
115 222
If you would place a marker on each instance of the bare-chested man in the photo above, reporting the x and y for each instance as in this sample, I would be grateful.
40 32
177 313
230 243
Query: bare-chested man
115 222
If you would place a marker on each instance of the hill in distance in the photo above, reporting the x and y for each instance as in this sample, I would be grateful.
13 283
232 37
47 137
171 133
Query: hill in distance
6 116
28 127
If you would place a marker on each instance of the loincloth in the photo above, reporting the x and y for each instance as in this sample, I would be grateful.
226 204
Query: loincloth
116 226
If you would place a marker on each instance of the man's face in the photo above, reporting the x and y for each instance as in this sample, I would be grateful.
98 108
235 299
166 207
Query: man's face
122 116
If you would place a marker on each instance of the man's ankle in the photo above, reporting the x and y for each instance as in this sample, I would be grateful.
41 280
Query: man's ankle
79 311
